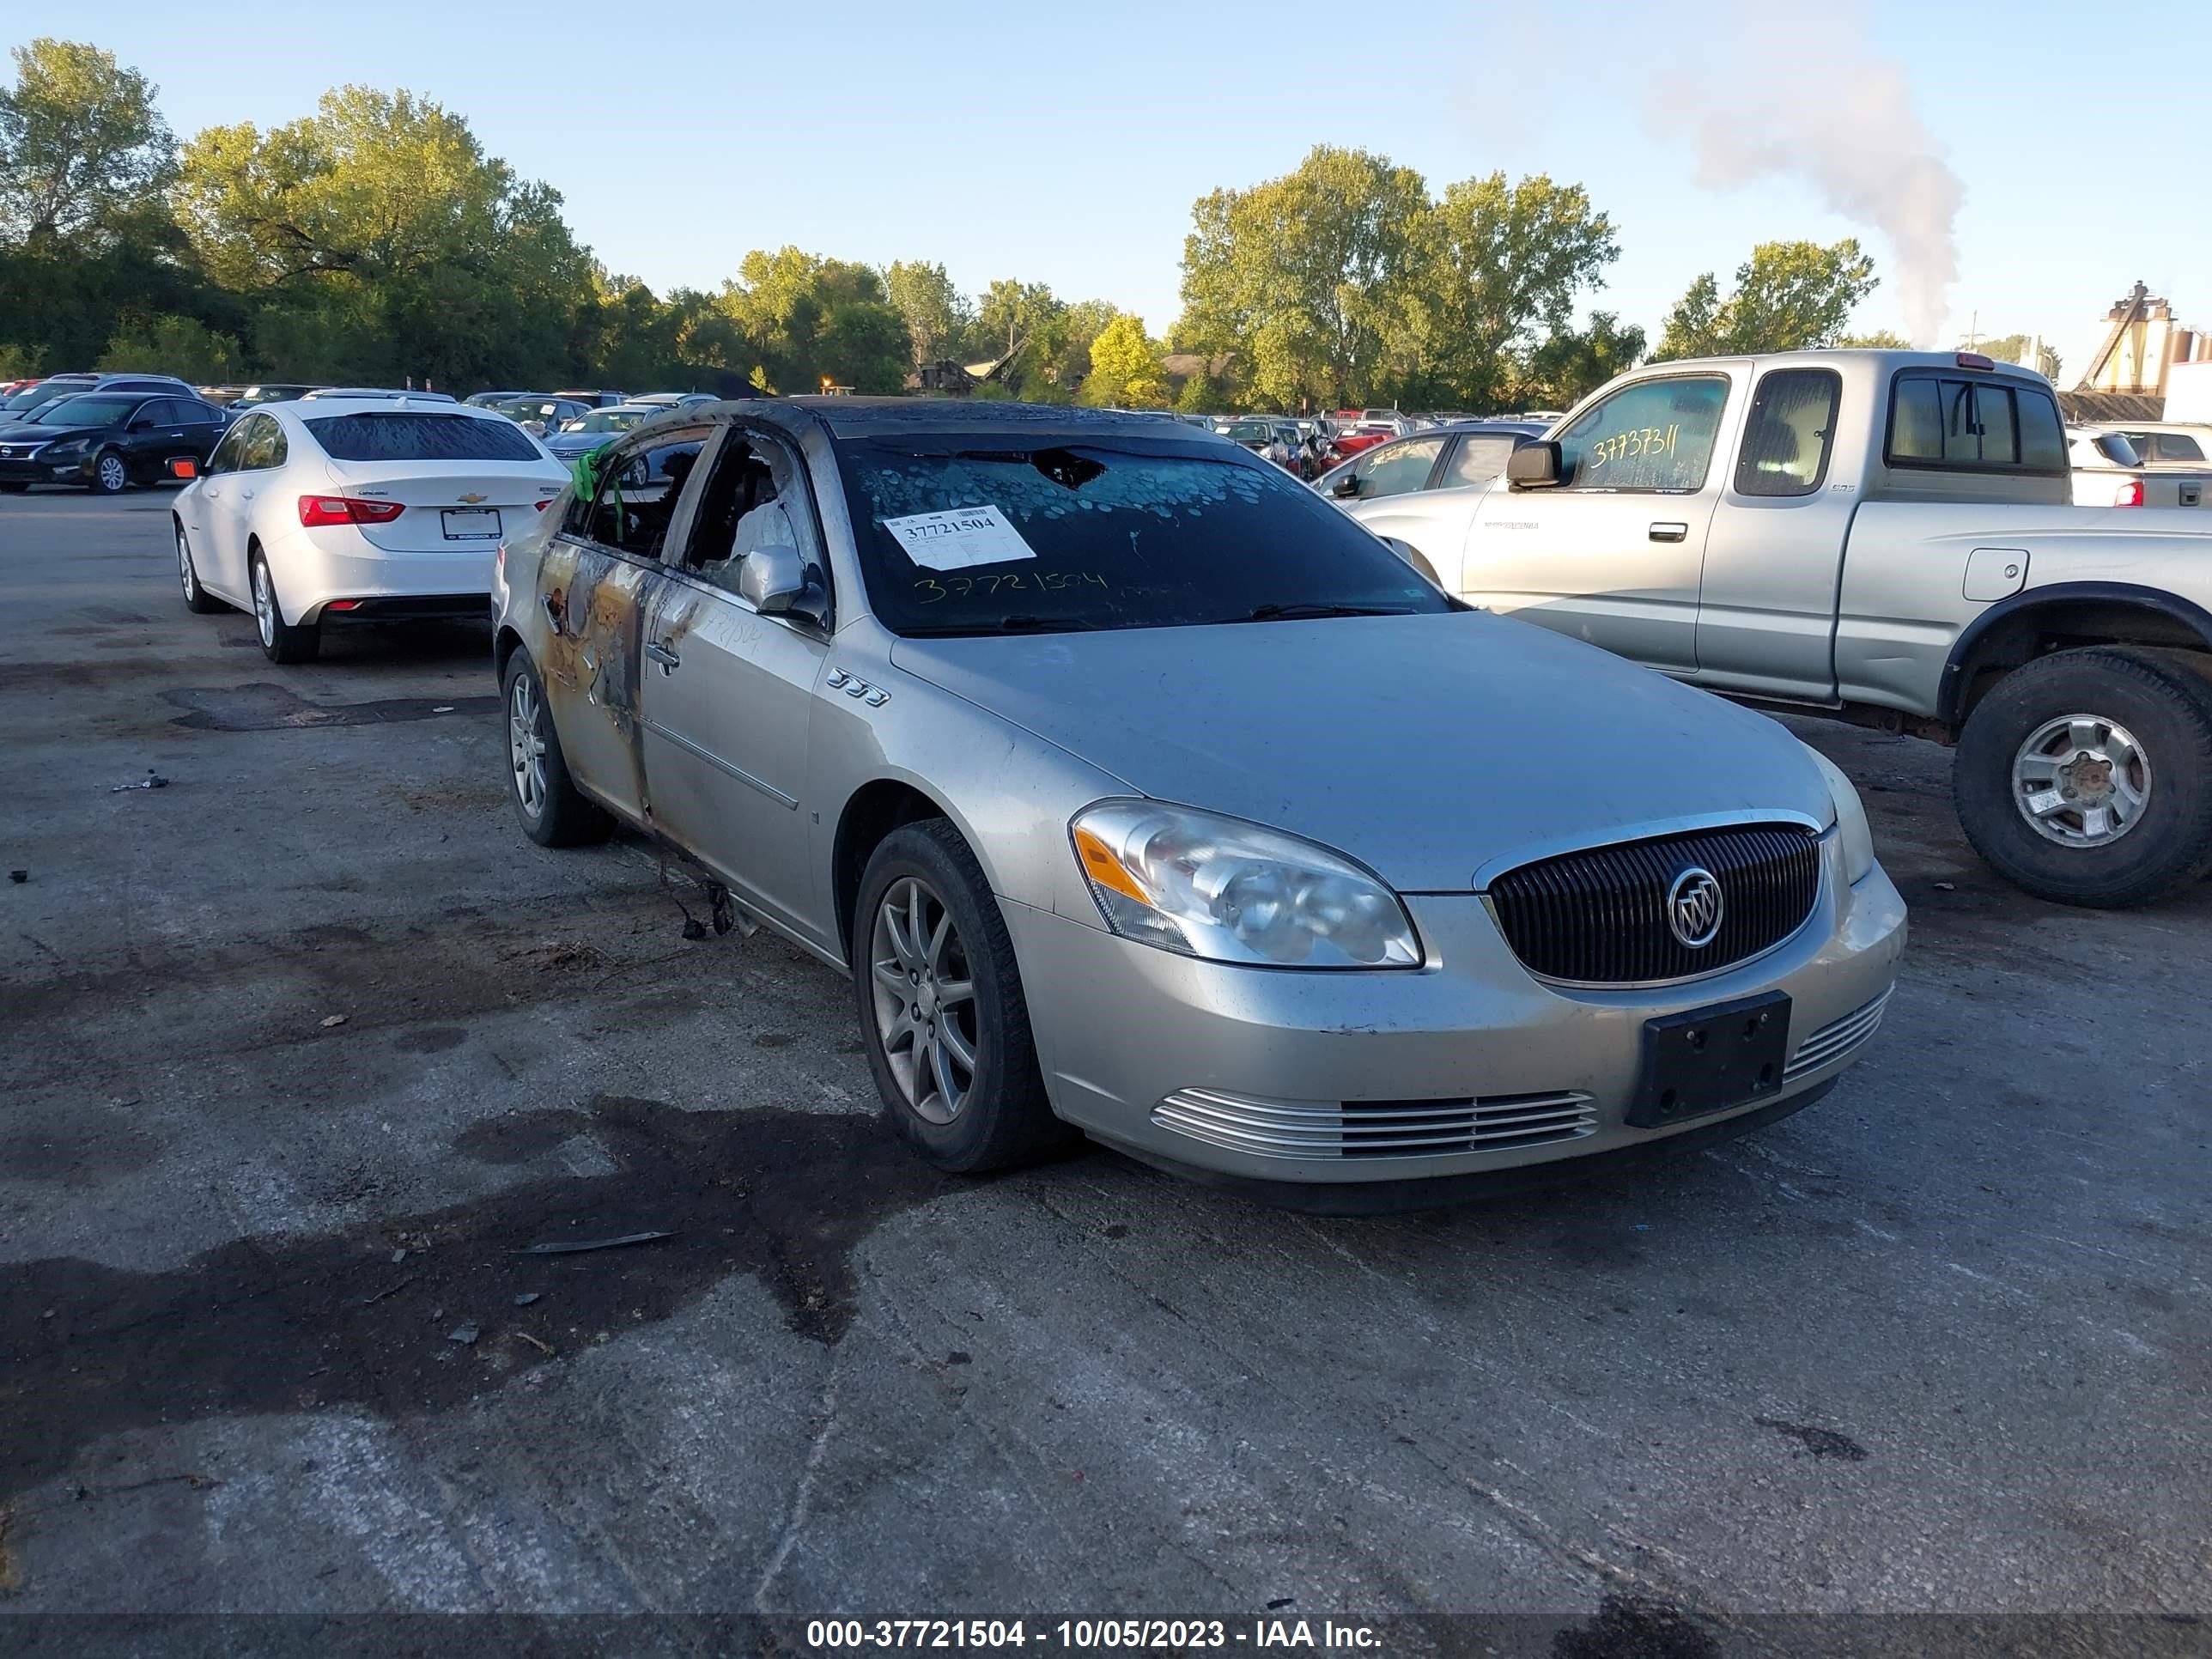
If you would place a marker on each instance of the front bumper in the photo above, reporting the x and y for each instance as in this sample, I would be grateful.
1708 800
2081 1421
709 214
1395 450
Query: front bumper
1243 1074
76 469
312 568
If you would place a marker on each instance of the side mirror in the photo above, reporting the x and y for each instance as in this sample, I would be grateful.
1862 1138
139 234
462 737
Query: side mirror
1345 488
773 581
1534 466
144 423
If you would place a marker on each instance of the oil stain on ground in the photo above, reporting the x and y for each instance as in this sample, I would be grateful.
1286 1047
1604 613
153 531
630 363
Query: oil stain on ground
270 1325
263 707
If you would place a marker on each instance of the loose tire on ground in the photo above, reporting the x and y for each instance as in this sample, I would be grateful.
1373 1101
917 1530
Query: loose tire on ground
553 811
1001 1117
281 642
2164 707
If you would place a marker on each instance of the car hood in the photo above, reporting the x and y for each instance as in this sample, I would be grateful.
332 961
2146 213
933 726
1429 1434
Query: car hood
1426 747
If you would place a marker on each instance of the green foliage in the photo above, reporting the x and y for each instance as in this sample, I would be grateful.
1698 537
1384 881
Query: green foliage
84 152
1502 259
938 315
1345 283
168 344
1126 371
808 321
19 363
2017 349
1312 277
1790 296
1880 339
1573 362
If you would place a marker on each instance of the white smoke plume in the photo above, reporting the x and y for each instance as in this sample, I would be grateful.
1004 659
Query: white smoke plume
1780 92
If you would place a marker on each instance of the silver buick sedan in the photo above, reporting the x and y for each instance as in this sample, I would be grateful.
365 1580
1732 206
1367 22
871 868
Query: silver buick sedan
1141 792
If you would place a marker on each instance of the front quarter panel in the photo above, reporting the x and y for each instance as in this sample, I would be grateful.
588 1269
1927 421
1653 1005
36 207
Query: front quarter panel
1009 793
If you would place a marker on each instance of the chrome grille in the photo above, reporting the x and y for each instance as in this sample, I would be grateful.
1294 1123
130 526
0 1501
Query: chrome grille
1837 1038
1599 917
1376 1128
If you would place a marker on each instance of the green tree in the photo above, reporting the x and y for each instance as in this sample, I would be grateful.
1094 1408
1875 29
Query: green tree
1571 363
937 313
2017 349
1126 370
82 149
808 319
1878 339
1310 277
1789 296
1011 318
1500 261
168 344
385 233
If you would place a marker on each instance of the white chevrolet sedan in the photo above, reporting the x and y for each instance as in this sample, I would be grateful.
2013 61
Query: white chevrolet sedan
370 509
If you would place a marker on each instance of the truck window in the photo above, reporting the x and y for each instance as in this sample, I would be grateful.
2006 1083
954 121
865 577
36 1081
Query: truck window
1655 435
1786 440
1976 425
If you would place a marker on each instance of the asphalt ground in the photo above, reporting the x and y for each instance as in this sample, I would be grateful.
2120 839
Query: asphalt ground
301 1049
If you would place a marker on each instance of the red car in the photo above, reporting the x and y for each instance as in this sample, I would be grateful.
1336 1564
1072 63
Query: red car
1364 429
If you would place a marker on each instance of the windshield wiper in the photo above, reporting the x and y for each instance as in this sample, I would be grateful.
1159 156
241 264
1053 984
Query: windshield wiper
1304 612
1019 624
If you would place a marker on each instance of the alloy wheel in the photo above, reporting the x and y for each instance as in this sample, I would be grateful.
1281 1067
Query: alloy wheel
112 478
184 568
925 999
264 604
2081 780
525 745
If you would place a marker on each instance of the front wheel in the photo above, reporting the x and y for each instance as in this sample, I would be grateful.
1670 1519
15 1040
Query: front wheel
2085 777
940 1000
110 476
197 599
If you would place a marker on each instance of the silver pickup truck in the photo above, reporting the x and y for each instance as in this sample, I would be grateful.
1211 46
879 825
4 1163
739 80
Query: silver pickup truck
1887 537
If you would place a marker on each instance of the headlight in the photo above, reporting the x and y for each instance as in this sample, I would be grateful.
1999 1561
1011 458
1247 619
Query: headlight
1852 831
67 450
1226 891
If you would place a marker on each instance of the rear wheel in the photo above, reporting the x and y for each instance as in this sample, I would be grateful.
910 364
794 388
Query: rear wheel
2085 777
197 599
553 811
940 999
281 642
110 476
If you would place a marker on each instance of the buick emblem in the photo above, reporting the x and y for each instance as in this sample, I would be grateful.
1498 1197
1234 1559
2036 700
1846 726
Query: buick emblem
1694 908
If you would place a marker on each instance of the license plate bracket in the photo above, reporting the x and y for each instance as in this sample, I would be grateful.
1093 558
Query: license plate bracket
1709 1059
471 524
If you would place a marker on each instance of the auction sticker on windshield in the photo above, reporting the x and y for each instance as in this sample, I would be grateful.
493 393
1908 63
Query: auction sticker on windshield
959 539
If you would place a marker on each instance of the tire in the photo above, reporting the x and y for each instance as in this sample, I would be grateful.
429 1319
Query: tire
1001 1115
14 489
197 599
2109 724
281 642
110 474
553 811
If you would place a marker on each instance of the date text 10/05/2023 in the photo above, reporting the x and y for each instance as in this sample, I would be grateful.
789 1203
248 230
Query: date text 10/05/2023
1086 1634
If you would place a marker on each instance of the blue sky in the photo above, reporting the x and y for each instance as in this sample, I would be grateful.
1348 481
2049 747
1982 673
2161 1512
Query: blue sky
1065 144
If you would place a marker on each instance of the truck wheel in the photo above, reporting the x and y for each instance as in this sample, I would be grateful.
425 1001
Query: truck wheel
2085 777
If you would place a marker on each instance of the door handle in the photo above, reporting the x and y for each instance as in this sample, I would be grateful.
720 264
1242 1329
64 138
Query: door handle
669 661
1665 531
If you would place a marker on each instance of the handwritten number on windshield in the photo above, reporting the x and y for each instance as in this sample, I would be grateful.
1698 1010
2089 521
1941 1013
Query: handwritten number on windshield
933 589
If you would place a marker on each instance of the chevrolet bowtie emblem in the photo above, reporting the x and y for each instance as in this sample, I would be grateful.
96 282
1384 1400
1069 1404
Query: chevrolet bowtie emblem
472 500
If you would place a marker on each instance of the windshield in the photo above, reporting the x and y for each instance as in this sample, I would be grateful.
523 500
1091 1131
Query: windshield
412 437
605 420
44 393
1122 533
84 411
1251 431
